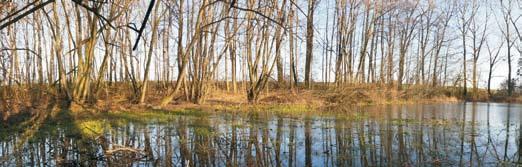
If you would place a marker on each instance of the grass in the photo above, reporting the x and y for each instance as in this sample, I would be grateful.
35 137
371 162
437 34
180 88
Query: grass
280 100
92 128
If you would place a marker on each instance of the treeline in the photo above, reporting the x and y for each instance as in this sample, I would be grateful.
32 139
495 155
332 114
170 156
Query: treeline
78 49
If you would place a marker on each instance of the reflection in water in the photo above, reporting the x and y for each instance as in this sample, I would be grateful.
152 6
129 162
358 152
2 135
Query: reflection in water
472 134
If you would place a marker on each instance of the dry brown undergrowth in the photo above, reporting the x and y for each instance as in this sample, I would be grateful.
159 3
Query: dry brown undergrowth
120 99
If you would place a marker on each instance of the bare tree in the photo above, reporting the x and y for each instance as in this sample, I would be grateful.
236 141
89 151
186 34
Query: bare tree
493 60
467 12
506 8
153 40
478 37
440 39
406 33
312 5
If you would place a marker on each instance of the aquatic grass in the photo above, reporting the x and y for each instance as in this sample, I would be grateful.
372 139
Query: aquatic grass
92 128
16 124
158 116
7 131
203 131
358 116
351 116
291 108
237 124
275 108
401 122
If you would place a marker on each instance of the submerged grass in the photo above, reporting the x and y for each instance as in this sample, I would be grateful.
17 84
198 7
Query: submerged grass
92 128
279 108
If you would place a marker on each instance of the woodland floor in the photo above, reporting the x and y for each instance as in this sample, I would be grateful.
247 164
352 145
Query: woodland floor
282 99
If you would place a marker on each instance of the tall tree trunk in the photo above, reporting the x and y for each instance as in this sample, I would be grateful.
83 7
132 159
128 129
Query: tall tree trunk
153 40
293 75
185 58
309 42
278 43
57 44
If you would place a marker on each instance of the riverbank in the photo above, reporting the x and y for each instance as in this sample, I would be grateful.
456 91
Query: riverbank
281 99
287 100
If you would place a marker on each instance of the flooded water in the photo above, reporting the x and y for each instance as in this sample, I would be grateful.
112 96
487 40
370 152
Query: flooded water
472 134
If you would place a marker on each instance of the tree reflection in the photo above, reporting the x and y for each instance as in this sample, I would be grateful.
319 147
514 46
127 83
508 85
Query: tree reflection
373 136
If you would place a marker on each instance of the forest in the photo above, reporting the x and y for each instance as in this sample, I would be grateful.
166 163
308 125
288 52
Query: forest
260 83
89 51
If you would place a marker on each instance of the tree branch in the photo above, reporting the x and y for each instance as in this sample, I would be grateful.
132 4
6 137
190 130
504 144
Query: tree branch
32 10
143 24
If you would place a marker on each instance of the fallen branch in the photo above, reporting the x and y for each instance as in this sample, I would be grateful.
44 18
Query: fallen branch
120 148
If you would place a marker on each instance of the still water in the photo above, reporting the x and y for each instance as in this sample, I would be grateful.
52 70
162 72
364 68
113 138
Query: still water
471 134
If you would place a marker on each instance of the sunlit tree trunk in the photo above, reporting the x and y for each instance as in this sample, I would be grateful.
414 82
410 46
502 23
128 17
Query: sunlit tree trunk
293 69
406 33
440 37
478 37
184 57
57 45
233 51
309 41
153 40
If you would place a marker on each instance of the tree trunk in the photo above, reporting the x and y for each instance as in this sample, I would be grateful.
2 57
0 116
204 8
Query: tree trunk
153 40
309 42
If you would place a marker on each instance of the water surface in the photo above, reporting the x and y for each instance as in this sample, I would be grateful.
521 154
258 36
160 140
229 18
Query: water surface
471 134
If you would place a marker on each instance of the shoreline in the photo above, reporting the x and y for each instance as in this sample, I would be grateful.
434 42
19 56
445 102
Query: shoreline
274 99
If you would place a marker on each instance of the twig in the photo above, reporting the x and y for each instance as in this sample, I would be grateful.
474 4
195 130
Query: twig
32 10
143 24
